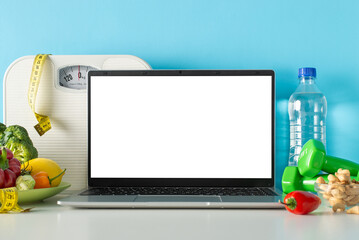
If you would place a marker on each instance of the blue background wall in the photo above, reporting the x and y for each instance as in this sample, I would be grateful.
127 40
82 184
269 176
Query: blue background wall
204 34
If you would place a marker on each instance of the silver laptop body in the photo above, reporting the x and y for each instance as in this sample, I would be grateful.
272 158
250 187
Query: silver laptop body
180 139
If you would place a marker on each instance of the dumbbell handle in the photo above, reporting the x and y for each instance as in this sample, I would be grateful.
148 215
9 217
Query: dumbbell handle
308 182
332 164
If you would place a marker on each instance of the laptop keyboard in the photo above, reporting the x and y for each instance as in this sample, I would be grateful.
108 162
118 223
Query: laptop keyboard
180 191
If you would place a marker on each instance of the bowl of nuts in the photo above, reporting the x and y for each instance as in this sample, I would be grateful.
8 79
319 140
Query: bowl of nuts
341 192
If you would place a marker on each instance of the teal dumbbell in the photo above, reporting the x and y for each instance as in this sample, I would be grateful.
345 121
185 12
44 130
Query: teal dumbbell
313 159
292 180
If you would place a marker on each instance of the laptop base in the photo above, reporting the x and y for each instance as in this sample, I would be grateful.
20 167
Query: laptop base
171 201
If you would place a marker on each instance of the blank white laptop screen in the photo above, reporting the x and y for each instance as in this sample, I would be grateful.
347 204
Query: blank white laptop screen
181 127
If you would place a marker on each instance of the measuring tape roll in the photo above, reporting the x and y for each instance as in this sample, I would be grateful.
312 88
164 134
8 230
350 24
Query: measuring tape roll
8 200
44 124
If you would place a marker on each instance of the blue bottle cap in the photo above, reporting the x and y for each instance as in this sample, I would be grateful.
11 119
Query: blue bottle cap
307 72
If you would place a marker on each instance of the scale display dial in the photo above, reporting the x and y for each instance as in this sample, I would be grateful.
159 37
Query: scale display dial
74 77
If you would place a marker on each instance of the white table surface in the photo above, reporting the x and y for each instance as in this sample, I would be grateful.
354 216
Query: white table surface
49 221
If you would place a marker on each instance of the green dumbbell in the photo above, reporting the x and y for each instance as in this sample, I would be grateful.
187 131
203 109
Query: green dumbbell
292 180
312 159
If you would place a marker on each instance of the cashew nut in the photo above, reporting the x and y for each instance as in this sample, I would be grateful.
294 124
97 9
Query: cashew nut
353 201
339 207
333 201
348 198
344 178
353 210
352 191
320 180
332 179
338 194
345 172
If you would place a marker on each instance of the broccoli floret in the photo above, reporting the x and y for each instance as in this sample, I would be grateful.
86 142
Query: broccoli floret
16 132
2 129
22 150
17 139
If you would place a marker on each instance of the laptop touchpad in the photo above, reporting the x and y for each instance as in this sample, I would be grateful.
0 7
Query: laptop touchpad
169 198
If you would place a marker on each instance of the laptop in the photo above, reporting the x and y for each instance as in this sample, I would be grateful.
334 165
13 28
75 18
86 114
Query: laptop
180 139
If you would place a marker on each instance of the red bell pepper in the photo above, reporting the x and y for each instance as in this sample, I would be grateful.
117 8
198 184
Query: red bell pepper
9 170
301 202
15 166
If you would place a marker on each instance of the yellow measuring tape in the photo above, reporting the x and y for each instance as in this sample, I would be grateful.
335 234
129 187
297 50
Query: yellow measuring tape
8 200
44 124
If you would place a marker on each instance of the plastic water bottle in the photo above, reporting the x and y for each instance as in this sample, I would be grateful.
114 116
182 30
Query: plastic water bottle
307 110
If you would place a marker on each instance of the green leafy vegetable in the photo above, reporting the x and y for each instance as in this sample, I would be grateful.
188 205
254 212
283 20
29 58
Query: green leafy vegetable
16 132
17 139
23 151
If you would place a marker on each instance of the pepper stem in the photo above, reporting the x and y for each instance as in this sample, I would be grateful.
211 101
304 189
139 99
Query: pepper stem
51 179
291 203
